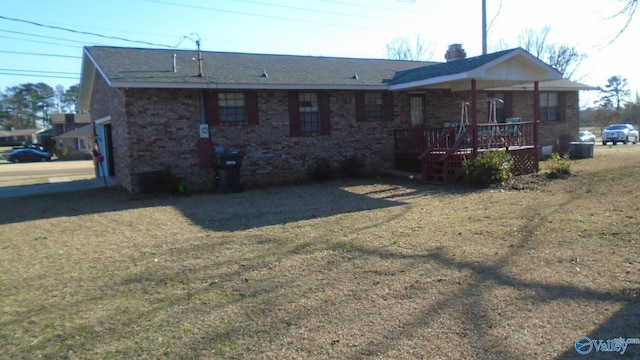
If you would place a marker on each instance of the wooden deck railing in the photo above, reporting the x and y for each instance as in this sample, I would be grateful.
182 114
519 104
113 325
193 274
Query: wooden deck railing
490 136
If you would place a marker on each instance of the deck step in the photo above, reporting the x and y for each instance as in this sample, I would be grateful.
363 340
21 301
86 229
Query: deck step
435 171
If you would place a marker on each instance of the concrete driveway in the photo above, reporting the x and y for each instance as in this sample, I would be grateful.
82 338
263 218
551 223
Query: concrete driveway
48 177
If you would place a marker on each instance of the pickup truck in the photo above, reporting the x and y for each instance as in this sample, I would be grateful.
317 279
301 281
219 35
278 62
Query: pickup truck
623 133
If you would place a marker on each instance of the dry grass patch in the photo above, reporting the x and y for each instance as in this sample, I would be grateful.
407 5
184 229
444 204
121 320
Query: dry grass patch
370 269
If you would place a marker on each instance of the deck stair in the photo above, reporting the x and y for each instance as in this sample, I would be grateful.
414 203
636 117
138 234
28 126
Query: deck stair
442 161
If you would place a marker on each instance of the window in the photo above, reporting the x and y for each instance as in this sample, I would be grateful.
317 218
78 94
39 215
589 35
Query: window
231 107
549 107
374 106
309 116
80 144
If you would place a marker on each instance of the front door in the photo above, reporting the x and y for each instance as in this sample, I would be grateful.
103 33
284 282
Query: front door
418 110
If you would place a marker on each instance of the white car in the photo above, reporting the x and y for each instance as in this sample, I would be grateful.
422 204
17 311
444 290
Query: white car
586 136
623 133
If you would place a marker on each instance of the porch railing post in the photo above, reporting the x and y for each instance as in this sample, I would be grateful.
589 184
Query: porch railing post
536 113
474 118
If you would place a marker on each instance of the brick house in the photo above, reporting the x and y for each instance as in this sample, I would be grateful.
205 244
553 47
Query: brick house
73 134
164 109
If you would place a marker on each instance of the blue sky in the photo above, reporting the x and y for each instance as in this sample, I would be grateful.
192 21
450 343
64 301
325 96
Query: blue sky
42 40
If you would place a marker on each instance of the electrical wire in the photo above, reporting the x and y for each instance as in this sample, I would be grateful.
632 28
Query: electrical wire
83 32
39 54
42 76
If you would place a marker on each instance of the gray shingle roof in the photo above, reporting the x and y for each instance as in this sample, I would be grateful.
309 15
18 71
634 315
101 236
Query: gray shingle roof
153 67
449 68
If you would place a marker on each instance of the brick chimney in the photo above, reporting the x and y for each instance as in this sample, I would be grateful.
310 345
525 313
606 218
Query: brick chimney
455 52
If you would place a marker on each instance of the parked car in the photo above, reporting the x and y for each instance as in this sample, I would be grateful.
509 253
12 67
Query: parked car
623 133
586 136
36 146
28 155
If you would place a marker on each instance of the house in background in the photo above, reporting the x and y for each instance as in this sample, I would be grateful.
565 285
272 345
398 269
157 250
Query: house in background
76 144
19 136
72 132
161 109
62 123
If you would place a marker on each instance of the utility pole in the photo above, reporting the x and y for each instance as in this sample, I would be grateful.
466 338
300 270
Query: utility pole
484 27
200 58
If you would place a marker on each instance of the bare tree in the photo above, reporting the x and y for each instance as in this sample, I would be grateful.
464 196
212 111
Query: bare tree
535 42
629 10
562 57
400 48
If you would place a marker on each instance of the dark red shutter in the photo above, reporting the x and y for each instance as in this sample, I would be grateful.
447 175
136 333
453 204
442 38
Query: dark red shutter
324 112
388 106
361 111
294 114
211 113
251 106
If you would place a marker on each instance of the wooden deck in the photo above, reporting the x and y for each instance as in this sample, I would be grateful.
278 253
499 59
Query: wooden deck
438 153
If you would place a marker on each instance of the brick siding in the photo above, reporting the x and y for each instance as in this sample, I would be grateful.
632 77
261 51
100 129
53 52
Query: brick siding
156 129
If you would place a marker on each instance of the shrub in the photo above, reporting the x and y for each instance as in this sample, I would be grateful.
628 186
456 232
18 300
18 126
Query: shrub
320 169
560 166
489 168
352 166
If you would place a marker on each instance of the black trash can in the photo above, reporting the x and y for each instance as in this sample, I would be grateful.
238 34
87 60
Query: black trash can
227 170
581 150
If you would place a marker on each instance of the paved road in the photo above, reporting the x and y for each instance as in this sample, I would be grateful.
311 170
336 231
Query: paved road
55 176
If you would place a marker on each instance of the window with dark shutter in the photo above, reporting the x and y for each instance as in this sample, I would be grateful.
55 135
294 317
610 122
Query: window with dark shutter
309 114
374 106
231 108
549 106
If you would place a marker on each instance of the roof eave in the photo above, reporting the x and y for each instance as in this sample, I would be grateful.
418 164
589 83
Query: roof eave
212 85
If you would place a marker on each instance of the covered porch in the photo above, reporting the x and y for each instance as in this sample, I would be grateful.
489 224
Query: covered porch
436 151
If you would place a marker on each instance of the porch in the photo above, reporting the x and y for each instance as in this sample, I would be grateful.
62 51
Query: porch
438 153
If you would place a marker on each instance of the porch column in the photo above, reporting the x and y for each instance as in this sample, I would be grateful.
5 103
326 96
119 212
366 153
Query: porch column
474 118
536 113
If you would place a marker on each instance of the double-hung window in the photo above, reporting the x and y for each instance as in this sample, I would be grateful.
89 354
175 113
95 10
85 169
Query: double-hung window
549 106
374 106
309 113
231 107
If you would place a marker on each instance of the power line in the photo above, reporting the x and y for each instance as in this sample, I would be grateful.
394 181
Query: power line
321 11
38 42
306 21
42 71
42 76
83 32
40 54
41 36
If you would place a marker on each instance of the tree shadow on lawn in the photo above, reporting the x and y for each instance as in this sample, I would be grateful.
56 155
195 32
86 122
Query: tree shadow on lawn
253 208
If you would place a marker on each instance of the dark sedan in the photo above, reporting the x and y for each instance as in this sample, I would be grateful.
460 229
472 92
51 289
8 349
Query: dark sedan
28 155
